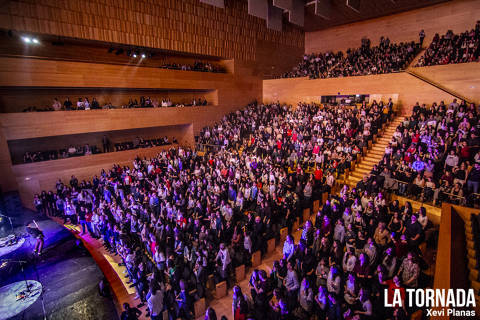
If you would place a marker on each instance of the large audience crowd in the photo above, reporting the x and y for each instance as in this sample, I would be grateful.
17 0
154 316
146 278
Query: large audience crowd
453 48
179 217
387 57
434 155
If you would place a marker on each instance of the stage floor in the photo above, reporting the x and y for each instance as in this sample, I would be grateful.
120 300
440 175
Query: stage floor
67 272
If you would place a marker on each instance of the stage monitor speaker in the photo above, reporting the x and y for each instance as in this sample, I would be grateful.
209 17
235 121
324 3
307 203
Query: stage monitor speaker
274 19
258 8
297 14
323 9
215 3
284 4
354 5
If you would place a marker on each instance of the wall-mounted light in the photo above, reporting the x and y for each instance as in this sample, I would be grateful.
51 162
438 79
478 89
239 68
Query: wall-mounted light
30 40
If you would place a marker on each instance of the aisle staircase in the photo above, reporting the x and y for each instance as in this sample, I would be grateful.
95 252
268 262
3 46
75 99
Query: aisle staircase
374 153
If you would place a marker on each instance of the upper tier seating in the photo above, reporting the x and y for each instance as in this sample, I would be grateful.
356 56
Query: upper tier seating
452 48
384 58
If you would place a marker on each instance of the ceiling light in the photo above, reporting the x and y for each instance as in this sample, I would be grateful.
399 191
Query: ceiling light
26 39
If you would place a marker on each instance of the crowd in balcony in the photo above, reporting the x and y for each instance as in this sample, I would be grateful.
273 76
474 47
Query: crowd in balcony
84 103
87 149
179 217
434 155
197 66
387 57
453 48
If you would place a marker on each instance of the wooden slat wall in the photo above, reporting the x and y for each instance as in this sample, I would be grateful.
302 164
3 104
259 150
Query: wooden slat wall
185 25
409 89
458 15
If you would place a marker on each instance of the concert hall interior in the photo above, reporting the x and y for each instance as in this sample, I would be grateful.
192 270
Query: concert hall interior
239 159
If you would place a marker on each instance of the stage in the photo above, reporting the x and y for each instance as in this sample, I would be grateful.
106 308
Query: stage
67 272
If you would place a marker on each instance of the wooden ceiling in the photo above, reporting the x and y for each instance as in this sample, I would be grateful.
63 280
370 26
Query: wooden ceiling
369 9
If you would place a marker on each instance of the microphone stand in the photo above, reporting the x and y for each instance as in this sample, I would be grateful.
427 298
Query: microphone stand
21 262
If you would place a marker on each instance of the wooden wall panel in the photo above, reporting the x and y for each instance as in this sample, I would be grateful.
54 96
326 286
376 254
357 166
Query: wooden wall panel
409 89
45 124
463 78
458 15
34 177
7 178
233 89
186 25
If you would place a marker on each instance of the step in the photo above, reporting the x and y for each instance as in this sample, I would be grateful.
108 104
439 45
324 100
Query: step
472 264
364 166
473 274
380 146
359 175
476 285
370 161
362 169
471 253
354 180
470 245
377 153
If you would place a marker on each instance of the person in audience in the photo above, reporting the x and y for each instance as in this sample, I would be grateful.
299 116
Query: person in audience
130 313
56 106
67 104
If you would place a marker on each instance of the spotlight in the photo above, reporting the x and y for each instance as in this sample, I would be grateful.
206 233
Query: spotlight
26 39
143 55
35 40
134 55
